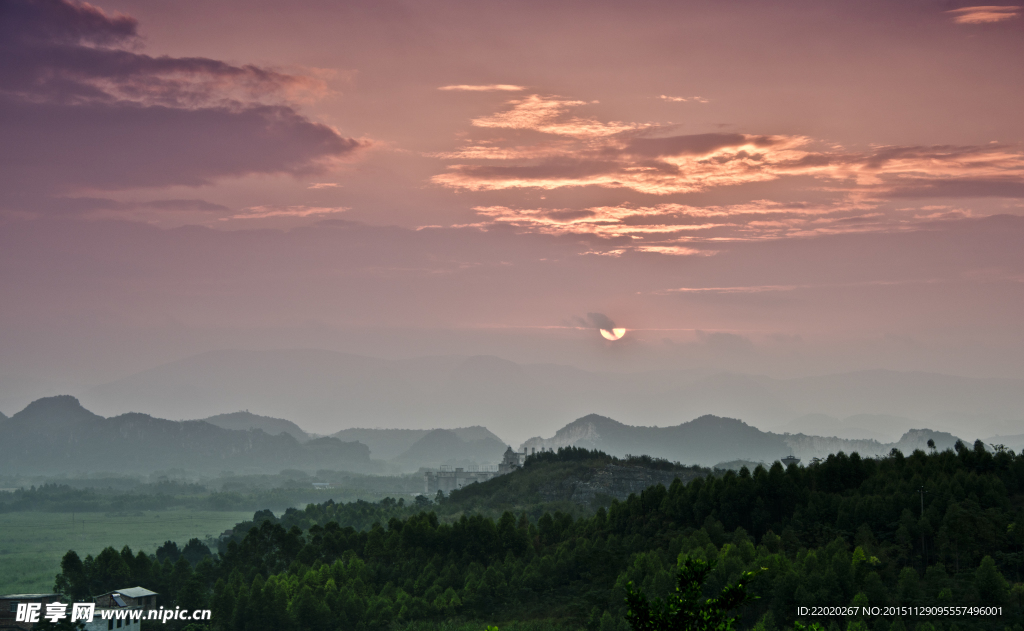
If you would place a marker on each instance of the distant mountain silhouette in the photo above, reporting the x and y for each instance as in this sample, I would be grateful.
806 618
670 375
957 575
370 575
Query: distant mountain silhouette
384 444
57 434
325 391
705 440
1014 442
711 440
246 420
387 444
442 446
880 427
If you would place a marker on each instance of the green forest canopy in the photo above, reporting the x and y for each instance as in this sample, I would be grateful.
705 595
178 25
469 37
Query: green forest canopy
846 530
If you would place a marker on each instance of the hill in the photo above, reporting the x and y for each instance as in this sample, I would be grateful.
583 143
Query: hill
569 475
847 529
387 444
57 434
705 440
246 420
880 427
447 447
710 439
384 444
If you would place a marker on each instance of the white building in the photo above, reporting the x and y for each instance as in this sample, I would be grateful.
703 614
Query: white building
448 479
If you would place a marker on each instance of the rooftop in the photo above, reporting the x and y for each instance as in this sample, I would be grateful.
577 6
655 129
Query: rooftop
132 592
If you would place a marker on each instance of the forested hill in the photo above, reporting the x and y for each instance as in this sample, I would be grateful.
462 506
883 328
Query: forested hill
846 530
57 434
571 476
709 439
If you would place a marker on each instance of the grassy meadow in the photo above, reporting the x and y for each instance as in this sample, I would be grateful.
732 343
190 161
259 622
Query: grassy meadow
32 543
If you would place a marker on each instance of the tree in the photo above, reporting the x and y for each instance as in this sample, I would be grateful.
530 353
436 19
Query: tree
684 610
72 581
194 551
991 585
109 571
168 551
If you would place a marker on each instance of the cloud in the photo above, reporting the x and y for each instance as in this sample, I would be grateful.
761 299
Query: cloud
64 22
319 185
984 14
696 144
266 212
954 187
683 99
725 342
119 145
82 109
546 115
497 87
601 321
620 158
685 230
561 149
98 206
594 321
183 204
757 289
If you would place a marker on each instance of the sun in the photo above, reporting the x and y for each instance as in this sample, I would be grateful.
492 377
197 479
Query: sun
613 335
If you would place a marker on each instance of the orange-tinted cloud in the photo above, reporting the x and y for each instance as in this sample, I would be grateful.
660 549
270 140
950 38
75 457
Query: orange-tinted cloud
266 212
680 229
566 150
547 115
683 99
984 14
497 87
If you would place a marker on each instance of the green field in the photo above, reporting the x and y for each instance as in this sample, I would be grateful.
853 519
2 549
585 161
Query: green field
32 543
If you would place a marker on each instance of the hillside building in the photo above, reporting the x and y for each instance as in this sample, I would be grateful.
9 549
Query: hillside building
9 609
127 601
447 479
128 597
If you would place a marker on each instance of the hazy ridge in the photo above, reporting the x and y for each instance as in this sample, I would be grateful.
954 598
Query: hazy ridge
57 434
325 391
709 440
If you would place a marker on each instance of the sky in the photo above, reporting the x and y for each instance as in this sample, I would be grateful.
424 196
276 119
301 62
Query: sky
788 188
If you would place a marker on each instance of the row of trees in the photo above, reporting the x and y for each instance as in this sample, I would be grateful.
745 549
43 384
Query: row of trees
843 531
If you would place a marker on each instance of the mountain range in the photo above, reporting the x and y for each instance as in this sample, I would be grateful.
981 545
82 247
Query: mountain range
326 391
710 440
57 434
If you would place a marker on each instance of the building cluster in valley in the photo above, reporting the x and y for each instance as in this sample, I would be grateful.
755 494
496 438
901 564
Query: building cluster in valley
120 609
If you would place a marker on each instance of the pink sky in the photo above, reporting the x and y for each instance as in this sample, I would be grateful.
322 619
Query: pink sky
783 188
